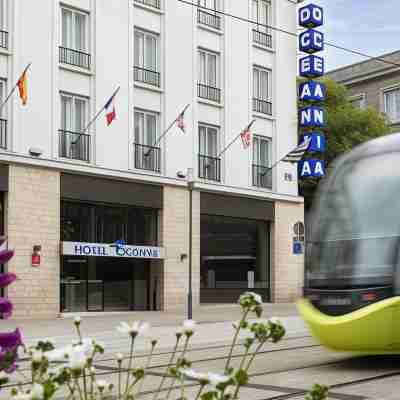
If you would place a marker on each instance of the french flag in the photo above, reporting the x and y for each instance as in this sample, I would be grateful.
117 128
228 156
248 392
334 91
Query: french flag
110 109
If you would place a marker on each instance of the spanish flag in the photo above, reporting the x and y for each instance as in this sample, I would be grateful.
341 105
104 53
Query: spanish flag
23 88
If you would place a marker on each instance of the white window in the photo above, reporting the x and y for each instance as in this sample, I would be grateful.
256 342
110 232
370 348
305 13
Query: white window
3 13
210 4
3 89
261 151
358 101
261 14
208 137
392 104
261 84
74 113
145 128
74 30
146 50
208 68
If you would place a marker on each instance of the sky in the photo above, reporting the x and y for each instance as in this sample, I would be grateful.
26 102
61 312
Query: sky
369 26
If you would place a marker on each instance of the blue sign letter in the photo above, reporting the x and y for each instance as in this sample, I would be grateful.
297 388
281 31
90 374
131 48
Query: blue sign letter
312 116
311 167
311 67
312 90
318 143
311 41
311 16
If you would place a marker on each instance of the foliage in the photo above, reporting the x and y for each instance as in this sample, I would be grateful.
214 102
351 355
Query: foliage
347 126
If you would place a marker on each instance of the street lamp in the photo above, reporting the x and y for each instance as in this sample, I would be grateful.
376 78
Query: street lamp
190 182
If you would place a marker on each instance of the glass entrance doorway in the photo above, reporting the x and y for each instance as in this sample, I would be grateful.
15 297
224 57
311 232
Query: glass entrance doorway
104 284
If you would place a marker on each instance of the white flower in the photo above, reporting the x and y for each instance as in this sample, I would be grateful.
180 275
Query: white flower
55 371
189 327
3 375
22 396
58 354
133 329
77 358
77 320
101 384
216 379
37 392
275 321
192 374
120 357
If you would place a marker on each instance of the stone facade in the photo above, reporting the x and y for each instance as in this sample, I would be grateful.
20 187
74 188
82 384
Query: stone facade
33 218
287 268
175 240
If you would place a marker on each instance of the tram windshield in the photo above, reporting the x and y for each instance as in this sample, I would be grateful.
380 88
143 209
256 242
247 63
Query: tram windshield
356 243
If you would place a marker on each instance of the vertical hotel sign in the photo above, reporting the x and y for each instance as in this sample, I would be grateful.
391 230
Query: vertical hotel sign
312 118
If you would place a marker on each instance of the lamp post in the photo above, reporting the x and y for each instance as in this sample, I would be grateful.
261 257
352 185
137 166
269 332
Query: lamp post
190 182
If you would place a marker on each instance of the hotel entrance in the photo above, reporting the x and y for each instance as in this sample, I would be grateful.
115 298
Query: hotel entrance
104 284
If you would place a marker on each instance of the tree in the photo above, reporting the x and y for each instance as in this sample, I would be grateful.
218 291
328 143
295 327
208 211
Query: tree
347 127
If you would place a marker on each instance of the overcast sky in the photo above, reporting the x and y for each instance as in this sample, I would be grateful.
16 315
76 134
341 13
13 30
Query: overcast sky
369 26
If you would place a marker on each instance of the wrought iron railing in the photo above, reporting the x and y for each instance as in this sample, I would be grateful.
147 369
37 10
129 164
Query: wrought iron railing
4 39
209 92
146 76
3 133
262 176
209 168
262 38
75 58
73 145
150 3
147 158
206 18
262 106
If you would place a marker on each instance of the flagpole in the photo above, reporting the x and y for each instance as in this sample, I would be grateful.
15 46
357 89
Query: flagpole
166 131
100 111
15 86
234 140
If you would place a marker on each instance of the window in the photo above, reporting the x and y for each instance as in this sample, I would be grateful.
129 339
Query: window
150 3
3 121
392 104
146 58
147 153
3 25
262 91
208 76
261 18
209 164
73 143
74 38
358 101
209 14
262 176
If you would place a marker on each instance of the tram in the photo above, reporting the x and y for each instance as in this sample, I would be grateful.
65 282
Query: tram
352 274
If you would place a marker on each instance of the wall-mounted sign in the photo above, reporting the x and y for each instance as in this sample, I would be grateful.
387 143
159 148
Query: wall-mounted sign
311 16
312 66
311 167
317 144
312 90
312 117
311 41
297 247
110 250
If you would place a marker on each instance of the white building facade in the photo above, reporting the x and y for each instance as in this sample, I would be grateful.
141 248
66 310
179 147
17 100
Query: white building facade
76 192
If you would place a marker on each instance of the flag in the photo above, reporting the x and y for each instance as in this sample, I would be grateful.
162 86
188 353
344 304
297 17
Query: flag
180 123
110 109
246 137
23 88
297 154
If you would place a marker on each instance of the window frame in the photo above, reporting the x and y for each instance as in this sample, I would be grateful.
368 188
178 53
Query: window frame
259 70
360 97
142 64
75 97
207 80
385 92
143 134
258 24
74 12
3 93
3 15
257 140
208 127
204 3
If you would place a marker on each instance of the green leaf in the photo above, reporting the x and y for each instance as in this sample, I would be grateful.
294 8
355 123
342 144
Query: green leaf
242 377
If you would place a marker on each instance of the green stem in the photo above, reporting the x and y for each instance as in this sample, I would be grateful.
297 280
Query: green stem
244 358
79 388
84 384
228 361
78 329
199 392
119 378
128 374
171 360
131 386
149 358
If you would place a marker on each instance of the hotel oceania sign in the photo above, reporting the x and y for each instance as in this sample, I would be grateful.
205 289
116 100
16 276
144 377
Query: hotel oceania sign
110 250
312 118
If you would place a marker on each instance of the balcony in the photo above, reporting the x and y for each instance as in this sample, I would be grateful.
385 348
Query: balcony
146 76
209 168
262 176
4 39
147 158
208 19
73 145
150 3
3 133
262 106
75 58
262 38
209 93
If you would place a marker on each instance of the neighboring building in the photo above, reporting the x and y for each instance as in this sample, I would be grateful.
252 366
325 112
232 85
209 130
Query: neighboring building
374 83
63 189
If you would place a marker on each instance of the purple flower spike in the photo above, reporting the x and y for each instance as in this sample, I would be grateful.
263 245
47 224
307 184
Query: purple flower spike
10 340
7 279
6 307
5 256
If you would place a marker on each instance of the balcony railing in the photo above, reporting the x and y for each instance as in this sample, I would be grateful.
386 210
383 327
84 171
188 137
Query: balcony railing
150 3
146 76
147 158
4 39
209 92
75 146
262 38
206 18
262 176
210 168
3 133
262 106
75 58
